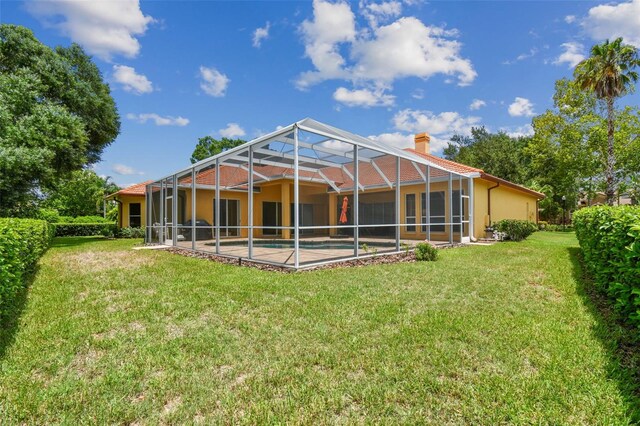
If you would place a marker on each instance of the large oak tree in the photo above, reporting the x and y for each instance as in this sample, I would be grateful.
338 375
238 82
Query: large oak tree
56 115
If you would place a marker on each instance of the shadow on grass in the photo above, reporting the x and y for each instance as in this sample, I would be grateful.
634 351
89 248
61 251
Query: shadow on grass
620 341
74 241
10 321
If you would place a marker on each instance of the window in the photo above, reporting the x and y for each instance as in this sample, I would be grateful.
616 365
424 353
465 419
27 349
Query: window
410 211
134 215
437 212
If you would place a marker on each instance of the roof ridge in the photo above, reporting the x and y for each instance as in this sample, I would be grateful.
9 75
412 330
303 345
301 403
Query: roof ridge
429 156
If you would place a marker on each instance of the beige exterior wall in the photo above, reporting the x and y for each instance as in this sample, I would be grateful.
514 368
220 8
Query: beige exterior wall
126 201
506 203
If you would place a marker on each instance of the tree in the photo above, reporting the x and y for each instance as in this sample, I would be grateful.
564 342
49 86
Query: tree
496 153
80 195
56 116
609 73
208 147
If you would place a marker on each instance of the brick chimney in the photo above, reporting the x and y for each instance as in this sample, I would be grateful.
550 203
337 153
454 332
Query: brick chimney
422 142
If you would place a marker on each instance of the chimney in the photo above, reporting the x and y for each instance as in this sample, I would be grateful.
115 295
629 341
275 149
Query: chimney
422 142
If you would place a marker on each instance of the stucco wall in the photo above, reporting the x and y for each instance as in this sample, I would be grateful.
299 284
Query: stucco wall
128 199
506 203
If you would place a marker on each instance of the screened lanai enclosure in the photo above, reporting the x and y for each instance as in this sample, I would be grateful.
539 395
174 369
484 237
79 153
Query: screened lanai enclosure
309 194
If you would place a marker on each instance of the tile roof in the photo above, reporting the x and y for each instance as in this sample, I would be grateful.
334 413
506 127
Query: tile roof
447 164
369 176
136 189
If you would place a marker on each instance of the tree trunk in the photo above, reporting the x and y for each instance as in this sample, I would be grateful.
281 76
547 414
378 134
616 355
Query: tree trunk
610 190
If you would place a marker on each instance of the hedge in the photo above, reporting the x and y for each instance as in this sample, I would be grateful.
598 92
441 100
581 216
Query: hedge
610 241
22 242
84 229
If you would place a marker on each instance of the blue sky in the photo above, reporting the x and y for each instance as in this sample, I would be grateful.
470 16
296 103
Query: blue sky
180 70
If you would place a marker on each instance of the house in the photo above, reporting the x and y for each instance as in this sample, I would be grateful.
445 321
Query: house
355 197
131 205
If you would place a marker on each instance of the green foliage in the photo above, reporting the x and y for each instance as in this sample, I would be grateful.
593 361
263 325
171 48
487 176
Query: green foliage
81 194
84 229
130 233
609 73
569 150
56 116
48 214
22 242
496 153
208 147
610 241
426 252
84 219
516 230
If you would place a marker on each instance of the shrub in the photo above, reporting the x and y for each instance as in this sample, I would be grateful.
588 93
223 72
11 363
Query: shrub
610 241
130 233
84 229
425 251
515 230
542 225
84 219
22 242
50 215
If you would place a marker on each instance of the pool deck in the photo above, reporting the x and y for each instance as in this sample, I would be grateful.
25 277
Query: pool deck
237 247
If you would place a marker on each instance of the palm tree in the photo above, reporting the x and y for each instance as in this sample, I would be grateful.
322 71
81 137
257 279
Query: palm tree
610 73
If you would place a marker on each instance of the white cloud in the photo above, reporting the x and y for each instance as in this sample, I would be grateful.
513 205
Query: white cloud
213 83
332 24
121 169
260 34
233 130
609 21
426 51
521 57
380 12
375 58
103 28
363 97
572 54
159 120
514 132
439 126
570 19
418 94
396 139
476 104
521 107
132 81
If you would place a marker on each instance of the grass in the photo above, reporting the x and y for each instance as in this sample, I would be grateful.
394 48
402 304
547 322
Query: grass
499 334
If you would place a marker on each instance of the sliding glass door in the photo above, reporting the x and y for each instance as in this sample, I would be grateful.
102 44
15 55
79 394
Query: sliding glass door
229 217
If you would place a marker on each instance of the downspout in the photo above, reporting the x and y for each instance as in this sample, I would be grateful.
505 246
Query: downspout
119 212
489 201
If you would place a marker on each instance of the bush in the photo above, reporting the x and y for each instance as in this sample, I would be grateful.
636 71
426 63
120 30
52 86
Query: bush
610 241
515 230
84 219
50 215
84 229
130 233
425 251
22 242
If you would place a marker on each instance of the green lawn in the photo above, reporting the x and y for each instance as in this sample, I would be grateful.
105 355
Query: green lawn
487 334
